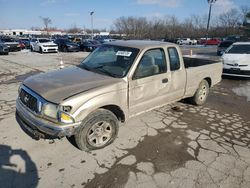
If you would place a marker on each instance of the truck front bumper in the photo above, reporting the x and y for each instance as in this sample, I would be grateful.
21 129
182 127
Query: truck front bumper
38 128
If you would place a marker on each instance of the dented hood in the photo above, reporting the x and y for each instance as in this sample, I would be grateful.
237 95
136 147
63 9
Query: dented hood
55 86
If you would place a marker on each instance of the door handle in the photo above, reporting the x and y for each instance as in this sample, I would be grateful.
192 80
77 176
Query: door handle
165 80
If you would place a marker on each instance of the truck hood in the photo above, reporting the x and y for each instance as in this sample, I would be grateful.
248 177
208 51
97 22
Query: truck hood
55 86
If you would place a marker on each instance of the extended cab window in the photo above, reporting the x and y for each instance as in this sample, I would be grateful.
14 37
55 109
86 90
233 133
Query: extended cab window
152 62
174 59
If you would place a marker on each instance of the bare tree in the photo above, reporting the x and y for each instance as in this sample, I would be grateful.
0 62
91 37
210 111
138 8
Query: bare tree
46 22
132 27
194 26
230 21
246 24
74 29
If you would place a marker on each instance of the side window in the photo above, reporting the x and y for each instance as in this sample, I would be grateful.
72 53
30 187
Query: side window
174 59
152 62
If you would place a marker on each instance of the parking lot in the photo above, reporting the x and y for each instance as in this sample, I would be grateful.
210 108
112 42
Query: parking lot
178 145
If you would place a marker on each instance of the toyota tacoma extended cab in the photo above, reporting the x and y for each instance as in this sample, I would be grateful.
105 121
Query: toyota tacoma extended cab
117 81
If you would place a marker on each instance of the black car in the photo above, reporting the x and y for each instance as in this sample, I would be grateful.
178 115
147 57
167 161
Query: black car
65 45
3 48
89 45
12 44
223 46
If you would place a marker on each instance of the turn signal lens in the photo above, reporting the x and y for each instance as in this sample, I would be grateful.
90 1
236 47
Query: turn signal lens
66 118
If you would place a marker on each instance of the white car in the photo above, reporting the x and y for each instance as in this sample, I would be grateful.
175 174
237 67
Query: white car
236 60
43 45
186 41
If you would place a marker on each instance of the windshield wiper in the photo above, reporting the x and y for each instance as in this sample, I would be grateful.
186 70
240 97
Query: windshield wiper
98 69
102 70
84 67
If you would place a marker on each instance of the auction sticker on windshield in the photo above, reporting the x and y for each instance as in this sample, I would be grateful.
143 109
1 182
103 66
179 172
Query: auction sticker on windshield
123 53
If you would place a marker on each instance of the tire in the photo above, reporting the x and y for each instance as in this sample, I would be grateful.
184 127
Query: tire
40 50
65 49
201 94
31 49
97 130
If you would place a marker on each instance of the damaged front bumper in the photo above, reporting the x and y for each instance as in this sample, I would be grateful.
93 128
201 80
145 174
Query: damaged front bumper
38 128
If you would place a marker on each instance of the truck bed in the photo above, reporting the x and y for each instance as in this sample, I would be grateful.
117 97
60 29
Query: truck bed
196 61
199 68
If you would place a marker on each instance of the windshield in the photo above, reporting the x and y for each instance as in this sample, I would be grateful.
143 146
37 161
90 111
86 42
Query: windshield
111 60
239 49
8 40
225 44
44 40
95 42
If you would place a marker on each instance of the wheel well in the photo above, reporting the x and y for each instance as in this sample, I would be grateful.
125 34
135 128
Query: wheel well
209 81
117 111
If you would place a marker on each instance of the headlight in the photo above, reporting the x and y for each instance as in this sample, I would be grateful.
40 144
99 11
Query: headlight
50 110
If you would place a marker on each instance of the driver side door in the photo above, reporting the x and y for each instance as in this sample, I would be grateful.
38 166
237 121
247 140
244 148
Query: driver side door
149 86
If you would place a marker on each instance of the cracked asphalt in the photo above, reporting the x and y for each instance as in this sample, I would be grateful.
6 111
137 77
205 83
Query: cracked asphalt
177 145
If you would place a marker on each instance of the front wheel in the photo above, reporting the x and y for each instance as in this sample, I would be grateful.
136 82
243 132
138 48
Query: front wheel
201 94
98 130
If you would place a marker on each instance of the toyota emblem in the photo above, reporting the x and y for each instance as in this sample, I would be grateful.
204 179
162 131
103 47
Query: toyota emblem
26 98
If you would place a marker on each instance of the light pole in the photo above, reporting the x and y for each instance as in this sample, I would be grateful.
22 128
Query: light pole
210 2
91 14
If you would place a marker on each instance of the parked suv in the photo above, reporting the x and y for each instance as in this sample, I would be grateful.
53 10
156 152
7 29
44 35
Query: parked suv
43 45
3 48
12 44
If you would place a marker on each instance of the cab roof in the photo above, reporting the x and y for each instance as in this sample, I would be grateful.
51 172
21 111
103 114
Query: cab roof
140 44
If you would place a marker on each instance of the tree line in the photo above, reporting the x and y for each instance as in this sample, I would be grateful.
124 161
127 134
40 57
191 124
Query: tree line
232 22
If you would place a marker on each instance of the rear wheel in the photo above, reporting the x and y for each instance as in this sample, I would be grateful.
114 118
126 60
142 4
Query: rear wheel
201 94
98 130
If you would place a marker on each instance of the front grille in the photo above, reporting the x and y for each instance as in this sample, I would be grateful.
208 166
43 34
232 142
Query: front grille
50 46
237 71
28 100
51 50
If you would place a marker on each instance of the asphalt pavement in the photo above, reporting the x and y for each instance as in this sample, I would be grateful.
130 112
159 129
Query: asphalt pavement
177 145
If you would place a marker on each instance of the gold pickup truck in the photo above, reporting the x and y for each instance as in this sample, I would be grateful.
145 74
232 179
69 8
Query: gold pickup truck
118 80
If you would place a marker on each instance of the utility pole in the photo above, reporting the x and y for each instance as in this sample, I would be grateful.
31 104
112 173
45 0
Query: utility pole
210 2
91 15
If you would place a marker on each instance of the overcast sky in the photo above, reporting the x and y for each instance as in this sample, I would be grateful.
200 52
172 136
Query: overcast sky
23 14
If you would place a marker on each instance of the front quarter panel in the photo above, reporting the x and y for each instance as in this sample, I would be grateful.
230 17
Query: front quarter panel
113 98
87 102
